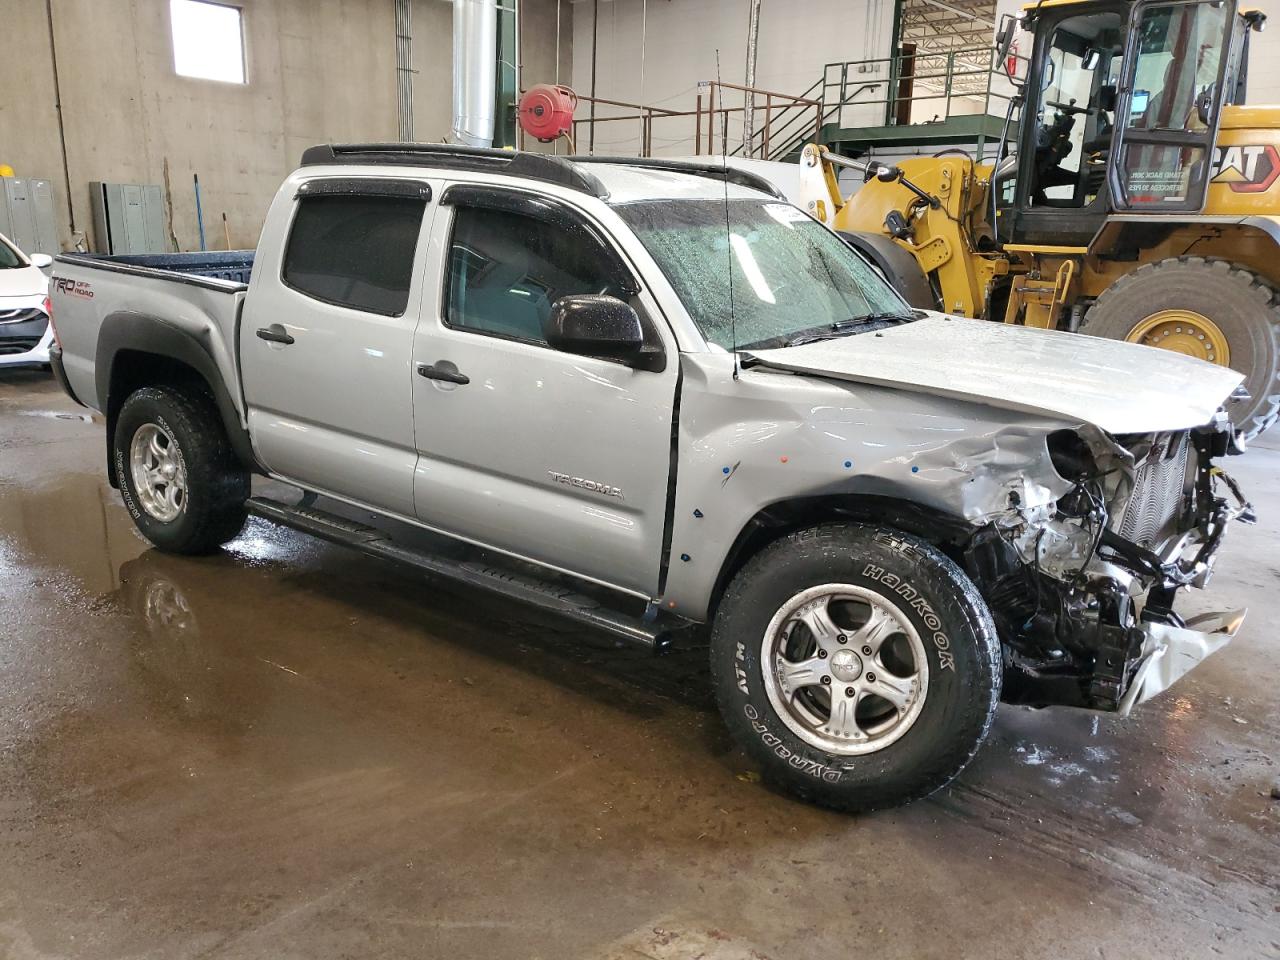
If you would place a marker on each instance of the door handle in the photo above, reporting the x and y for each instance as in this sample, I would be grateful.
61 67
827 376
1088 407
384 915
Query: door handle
274 334
436 373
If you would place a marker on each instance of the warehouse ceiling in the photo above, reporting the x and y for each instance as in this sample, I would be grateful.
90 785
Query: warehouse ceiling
961 29
941 25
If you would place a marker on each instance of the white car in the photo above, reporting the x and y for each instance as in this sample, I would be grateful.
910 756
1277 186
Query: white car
25 331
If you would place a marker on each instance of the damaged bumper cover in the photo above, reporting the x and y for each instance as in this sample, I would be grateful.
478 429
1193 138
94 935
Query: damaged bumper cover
1082 589
1170 652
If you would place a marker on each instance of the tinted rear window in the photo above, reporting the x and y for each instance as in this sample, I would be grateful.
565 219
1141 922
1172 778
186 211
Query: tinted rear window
355 251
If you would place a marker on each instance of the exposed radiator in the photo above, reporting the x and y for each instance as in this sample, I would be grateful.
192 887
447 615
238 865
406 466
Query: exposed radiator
1158 491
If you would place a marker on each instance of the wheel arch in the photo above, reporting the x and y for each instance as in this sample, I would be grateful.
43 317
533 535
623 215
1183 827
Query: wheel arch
137 350
945 531
1251 243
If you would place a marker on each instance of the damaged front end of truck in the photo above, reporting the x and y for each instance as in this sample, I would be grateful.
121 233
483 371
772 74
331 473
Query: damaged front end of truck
1081 569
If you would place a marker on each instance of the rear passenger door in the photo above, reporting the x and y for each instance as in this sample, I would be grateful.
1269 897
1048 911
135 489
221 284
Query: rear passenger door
326 337
554 457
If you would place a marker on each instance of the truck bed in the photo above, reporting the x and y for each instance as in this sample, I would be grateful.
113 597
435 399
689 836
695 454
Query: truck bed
234 266
142 298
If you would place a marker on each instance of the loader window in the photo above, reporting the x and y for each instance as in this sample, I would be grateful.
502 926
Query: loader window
1076 113
1177 69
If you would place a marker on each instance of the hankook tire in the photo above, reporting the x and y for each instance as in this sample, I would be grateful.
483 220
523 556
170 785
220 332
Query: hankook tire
856 664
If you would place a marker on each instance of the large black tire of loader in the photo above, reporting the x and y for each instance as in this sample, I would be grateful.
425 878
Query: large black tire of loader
1245 307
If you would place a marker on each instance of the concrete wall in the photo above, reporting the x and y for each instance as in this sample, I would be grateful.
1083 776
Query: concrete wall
681 39
318 71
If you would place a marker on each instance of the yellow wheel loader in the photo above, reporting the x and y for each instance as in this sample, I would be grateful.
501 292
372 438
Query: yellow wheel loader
1138 199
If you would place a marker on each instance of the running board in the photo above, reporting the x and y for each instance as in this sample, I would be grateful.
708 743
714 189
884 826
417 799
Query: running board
545 595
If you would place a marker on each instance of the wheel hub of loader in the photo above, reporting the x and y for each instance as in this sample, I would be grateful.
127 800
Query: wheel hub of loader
1186 332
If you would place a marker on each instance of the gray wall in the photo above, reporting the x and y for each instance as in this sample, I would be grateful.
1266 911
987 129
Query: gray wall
318 71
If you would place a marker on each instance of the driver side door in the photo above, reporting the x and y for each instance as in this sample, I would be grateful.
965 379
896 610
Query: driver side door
553 457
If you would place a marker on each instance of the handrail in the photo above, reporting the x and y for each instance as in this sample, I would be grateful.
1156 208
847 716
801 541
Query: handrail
941 78
804 103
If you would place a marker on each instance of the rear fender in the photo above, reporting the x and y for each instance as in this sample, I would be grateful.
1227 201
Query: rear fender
137 350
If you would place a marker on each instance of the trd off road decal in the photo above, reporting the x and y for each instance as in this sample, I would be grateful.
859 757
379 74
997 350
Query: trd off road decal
74 288
1246 169
946 660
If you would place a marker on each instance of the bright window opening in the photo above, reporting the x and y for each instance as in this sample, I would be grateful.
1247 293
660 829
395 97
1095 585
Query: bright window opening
208 40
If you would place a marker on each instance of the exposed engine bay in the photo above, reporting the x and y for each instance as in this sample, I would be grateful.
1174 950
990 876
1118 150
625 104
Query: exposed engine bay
1081 583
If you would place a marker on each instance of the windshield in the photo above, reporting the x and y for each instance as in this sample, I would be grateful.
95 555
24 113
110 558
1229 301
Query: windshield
790 274
9 257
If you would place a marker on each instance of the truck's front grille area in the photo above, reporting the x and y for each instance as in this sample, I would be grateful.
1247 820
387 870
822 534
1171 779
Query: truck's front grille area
1157 491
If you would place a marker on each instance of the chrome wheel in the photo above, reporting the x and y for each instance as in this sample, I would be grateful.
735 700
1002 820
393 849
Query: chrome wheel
159 477
844 669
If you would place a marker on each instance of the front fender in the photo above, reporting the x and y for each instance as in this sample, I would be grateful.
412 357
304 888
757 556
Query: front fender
766 437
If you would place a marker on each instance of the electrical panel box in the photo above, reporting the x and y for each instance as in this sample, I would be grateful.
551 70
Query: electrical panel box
27 216
128 217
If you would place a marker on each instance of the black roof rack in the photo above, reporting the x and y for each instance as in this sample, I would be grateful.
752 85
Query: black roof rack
697 168
534 166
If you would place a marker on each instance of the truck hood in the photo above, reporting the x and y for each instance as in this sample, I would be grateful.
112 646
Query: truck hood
1119 387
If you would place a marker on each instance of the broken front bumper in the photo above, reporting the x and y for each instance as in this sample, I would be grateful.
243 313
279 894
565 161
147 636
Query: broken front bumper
1169 653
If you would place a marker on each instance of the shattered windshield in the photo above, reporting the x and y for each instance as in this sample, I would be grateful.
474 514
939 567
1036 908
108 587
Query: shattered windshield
789 275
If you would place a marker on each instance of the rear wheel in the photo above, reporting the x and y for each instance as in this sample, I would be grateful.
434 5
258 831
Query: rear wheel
856 664
1208 309
175 468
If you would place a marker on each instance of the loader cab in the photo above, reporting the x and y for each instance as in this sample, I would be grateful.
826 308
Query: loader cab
1120 112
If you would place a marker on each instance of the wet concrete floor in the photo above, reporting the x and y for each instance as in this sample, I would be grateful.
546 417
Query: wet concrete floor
289 751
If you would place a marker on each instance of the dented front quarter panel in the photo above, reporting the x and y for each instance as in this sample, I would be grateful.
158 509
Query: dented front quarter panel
770 436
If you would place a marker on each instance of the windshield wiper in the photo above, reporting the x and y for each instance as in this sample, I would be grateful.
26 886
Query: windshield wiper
841 327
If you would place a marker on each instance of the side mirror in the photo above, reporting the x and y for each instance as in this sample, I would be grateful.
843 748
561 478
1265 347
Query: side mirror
41 260
1005 37
594 325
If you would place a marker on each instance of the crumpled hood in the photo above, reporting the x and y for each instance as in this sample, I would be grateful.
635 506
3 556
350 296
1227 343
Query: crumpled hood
23 282
1119 387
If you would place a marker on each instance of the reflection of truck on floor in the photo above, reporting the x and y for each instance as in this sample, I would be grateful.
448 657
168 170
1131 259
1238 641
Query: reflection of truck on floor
612 378
1141 202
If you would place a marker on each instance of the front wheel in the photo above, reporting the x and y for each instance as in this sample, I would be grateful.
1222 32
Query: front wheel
176 471
858 665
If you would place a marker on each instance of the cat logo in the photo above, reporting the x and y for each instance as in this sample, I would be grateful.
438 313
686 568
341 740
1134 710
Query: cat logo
1246 169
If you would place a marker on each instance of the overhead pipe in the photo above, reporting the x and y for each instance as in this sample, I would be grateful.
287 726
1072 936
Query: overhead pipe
475 53
749 98
595 36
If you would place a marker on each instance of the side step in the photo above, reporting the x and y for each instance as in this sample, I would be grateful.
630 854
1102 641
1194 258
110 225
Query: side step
545 595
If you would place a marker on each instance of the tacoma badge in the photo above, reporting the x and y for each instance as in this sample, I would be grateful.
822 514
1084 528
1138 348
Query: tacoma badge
593 485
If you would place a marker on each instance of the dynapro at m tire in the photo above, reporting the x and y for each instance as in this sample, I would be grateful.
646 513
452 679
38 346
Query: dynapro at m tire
933 625
185 425
1242 306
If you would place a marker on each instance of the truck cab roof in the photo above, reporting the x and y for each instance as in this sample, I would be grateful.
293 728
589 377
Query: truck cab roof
612 179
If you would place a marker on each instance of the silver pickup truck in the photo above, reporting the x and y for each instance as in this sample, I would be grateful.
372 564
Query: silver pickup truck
653 395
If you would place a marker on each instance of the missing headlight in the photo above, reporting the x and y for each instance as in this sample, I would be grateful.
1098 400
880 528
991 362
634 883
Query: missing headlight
1071 456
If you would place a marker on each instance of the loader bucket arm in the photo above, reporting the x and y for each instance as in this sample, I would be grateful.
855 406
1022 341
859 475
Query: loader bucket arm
819 184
